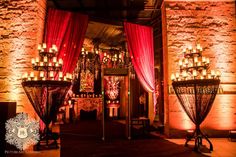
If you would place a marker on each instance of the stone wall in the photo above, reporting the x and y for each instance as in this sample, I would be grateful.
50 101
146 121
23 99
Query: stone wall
21 29
213 25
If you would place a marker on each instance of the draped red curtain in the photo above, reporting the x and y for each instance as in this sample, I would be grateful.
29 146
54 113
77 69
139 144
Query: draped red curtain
141 49
67 31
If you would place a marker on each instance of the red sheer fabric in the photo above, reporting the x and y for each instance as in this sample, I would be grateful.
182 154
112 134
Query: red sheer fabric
141 49
67 31
73 41
56 26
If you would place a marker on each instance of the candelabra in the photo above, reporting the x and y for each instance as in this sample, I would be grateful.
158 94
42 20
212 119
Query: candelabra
46 90
196 87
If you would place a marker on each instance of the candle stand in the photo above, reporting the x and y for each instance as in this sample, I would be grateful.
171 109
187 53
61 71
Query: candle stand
196 90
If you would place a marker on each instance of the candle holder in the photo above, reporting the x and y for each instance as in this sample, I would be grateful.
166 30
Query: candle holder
46 91
196 88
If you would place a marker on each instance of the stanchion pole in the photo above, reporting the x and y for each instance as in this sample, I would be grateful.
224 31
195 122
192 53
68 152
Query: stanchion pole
103 107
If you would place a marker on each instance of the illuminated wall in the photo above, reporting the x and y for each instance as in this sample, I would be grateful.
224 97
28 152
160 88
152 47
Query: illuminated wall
213 25
21 29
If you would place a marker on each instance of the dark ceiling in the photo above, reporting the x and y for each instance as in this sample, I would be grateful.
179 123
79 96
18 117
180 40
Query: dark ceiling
106 16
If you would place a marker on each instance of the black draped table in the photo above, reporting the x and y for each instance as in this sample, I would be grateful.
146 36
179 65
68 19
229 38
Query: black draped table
46 98
196 97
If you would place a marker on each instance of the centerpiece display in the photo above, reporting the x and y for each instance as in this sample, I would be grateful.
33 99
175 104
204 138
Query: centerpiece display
196 89
46 89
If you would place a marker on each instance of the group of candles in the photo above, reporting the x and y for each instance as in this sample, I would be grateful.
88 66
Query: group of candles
48 66
43 48
194 66
42 76
46 62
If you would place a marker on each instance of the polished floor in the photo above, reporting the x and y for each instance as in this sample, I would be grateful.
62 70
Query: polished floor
83 139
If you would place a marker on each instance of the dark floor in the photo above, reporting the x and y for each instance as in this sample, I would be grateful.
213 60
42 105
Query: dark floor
83 139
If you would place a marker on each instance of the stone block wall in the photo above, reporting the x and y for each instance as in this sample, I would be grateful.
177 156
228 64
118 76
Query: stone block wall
21 29
213 25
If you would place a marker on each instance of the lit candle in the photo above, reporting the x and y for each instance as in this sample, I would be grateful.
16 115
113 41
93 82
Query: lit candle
86 52
51 74
35 78
195 59
203 59
37 59
207 60
31 74
218 73
186 61
96 52
213 73
43 78
60 74
25 75
60 61
204 72
41 74
177 75
199 63
180 62
45 59
202 77
54 47
41 63
29 79
65 79
33 61
44 46
184 74
209 76
57 65
194 73
198 47
105 54
50 64
172 77
54 59
82 49
190 47
50 50
39 47
194 50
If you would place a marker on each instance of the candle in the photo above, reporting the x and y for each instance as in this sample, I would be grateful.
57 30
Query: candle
213 73
184 74
60 61
105 54
86 52
82 49
209 76
180 63
57 65
51 74
195 59
186 61
50 64
60 74
31 74
37 59
198 47
190 47
204 72
96 52
35 78
194 50
172 77
54 59
65 79
45 59
41 74
33 61
54 47
177 75
29 79
194 73
207 60
39 47
25 75
50 50
203 59
218 73
44 46
41 63
199 63
43 78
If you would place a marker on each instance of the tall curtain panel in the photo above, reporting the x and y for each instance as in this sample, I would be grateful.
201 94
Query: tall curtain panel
66 30
141 49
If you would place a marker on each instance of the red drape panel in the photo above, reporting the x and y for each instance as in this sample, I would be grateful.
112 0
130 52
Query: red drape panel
66 30
141 49
73 41
56 26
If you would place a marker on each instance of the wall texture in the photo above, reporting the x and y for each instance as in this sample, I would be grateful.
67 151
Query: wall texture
21 29
213 25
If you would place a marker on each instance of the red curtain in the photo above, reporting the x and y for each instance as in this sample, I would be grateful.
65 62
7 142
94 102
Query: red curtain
141 49
66 30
